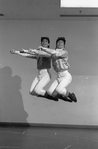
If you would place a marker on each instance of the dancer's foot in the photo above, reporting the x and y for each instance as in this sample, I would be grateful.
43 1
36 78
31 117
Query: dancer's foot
65 98
50 97
72 97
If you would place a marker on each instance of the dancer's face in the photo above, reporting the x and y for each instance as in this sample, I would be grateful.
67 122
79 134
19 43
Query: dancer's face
60 44
45 43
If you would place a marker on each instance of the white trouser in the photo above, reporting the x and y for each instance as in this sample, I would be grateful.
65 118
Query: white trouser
59 85
40 82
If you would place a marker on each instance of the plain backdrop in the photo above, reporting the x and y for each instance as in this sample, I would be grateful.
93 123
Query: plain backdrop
17 73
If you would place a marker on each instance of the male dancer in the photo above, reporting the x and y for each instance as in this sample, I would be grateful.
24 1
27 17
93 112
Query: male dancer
43 66
61 66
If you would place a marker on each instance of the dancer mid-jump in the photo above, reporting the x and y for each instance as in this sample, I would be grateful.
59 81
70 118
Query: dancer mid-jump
43 66
61 66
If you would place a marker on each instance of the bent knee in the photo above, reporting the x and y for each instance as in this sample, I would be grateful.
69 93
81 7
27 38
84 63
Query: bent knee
50 93
61 90
37 90
32 92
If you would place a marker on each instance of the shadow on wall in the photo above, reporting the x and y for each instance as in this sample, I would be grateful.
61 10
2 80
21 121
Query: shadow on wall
11 102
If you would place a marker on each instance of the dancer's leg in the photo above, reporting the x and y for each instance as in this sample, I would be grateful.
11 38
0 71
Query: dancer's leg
64 81
43 81
34 83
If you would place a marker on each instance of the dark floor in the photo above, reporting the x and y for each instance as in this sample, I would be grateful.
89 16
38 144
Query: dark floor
47 138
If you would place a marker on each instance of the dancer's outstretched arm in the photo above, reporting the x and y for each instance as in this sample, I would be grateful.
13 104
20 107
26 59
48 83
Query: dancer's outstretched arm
48 50
39 52
23 53
62 53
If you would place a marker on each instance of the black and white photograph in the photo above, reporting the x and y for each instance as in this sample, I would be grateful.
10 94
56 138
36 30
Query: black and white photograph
48 74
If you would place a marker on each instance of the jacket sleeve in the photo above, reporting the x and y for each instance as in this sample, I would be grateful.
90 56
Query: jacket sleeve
27 55
62 54
39 53
49 51
43 54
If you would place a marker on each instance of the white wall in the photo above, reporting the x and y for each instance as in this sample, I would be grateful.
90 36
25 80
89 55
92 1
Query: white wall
17 73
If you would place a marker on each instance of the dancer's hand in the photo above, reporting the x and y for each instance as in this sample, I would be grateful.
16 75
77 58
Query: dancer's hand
12 51
39 48
22 51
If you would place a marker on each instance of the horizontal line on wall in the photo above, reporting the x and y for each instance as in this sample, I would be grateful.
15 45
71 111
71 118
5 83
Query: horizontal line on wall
46 125
64 15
